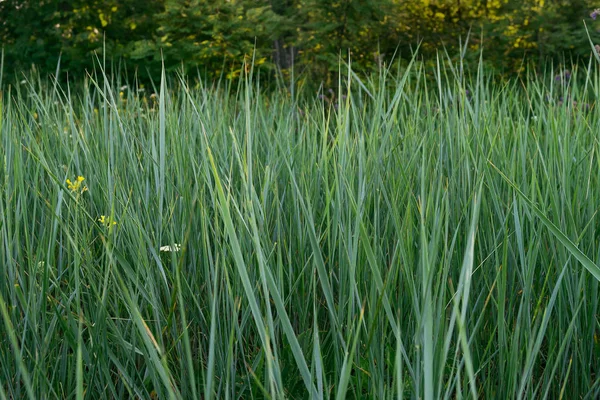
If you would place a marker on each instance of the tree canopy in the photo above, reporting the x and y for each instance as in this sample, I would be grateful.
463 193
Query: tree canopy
217 36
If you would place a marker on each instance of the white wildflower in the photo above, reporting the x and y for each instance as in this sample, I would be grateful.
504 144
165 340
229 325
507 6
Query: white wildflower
175 247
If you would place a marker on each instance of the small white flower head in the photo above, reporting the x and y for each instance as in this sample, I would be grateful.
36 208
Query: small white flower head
176 247
123 87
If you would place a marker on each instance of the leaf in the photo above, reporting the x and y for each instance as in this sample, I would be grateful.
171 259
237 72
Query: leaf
562 238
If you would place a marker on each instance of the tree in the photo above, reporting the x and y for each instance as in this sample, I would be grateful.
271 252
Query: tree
214 35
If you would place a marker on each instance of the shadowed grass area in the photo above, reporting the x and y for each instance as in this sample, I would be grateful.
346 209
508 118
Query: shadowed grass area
403 238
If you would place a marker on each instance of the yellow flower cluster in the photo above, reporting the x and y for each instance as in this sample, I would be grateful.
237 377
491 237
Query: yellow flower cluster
107 221
77 185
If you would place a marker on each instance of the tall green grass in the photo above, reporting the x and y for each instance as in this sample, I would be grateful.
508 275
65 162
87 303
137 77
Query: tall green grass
421 238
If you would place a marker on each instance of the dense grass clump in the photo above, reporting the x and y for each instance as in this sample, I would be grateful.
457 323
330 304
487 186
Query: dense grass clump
404 237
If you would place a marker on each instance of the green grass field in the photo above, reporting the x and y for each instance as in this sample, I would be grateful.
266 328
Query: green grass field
403 238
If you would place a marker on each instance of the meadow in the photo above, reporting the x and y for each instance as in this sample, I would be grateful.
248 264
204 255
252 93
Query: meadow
420 232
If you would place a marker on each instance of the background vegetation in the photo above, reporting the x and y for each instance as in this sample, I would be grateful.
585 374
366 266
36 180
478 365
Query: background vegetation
417 229
212 37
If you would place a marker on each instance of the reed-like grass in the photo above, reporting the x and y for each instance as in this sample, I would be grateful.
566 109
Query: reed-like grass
422 238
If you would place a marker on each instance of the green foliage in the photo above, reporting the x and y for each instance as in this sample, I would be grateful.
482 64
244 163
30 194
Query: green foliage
336 28
30 33
41 32
224 242
217 37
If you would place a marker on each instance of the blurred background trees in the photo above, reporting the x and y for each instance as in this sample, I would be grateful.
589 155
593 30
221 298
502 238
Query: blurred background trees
214 37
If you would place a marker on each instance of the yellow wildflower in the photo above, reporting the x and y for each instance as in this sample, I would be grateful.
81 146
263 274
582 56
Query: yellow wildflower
77 185
107 221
